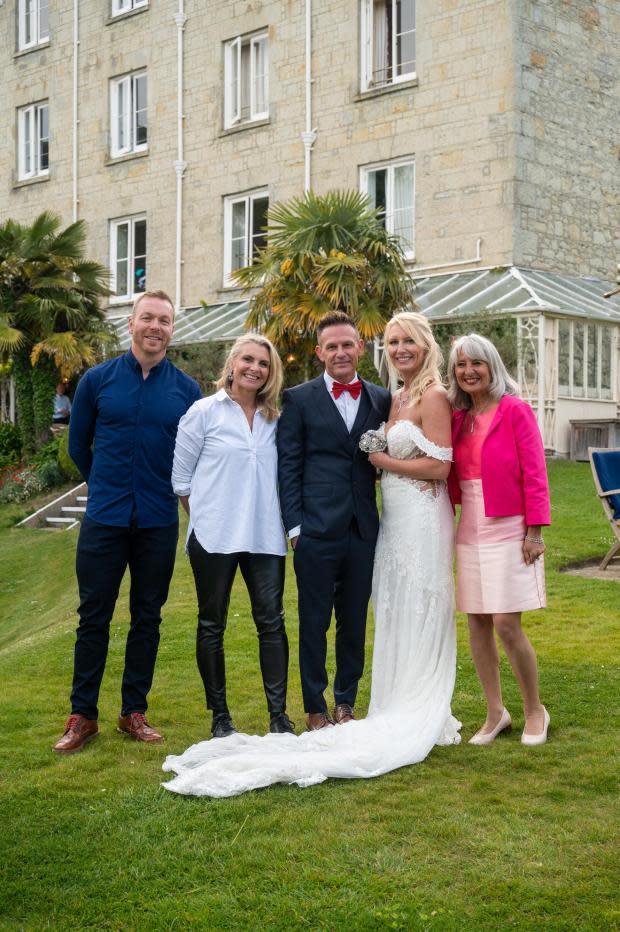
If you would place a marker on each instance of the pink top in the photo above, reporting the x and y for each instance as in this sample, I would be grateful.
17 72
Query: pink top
468 446
512 464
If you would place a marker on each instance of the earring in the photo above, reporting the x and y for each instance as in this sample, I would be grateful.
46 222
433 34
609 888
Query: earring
230 376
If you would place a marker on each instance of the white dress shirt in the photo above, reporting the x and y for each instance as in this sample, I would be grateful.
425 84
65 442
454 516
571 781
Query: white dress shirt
347 406
230 474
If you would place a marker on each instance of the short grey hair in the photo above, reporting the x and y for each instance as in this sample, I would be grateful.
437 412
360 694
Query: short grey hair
478 347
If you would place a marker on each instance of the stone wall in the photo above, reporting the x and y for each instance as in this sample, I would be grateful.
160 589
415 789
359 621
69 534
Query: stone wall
567 211
487 130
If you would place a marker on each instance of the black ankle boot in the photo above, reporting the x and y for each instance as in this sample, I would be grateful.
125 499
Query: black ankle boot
222 725
281 724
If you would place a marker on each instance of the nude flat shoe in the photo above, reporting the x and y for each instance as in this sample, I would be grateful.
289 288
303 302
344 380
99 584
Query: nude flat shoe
531 740
504 724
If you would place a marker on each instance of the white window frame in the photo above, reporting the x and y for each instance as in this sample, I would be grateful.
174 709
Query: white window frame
114 227
389 167
233 79
248 199
127 86
30 20
30 135
125 6
367 81
587 392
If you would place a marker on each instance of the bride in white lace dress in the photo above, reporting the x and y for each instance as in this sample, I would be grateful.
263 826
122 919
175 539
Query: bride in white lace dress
414 657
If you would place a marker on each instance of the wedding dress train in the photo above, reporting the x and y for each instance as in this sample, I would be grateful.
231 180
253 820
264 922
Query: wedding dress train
413 667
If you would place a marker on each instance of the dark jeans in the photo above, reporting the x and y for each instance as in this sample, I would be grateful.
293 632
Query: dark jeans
103 554
332 575
264 577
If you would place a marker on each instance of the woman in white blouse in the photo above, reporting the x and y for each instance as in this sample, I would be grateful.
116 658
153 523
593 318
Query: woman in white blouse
225 474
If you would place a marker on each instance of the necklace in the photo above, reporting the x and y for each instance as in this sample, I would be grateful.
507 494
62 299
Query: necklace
401 399
473 414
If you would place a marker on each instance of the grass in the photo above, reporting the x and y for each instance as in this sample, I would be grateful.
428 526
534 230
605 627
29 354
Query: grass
473 838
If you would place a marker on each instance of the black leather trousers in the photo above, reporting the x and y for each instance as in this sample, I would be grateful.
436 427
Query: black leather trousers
264 577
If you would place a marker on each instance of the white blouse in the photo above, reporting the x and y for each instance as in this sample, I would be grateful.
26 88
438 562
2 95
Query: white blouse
231 476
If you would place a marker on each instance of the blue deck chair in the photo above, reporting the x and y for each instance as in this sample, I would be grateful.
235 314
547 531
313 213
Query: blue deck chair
606 473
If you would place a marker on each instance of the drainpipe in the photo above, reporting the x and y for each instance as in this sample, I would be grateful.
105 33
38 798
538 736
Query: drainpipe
309 135
179 165
74 156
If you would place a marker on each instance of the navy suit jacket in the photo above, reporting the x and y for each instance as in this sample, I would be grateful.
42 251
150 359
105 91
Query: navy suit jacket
324 478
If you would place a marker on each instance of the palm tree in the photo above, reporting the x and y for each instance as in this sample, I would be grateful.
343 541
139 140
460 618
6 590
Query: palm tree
51 324
324 253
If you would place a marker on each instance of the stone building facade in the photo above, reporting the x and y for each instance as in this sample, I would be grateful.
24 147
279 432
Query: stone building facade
489 127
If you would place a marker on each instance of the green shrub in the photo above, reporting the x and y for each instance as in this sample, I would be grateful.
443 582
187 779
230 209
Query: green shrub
47 453
50 474
10 442
64 460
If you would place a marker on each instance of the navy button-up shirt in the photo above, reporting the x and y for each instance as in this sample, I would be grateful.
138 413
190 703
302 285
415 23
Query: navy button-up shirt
121 438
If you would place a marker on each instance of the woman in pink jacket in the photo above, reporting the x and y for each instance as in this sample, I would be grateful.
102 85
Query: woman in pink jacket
499 478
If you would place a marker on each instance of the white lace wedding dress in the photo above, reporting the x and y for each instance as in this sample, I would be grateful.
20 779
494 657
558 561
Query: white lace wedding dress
413 667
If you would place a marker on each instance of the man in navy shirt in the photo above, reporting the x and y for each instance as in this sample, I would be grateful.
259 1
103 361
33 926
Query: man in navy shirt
122 433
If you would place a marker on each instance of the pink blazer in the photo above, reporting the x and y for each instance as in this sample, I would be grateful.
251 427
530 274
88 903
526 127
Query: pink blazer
514 473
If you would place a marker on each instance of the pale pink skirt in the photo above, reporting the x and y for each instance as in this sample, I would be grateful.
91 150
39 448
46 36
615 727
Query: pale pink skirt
492 575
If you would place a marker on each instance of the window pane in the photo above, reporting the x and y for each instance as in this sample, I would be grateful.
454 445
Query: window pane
44 26
402 225
238 253
260 206
606 362
27 119
139 256
29 21
405 36
122 241
121 104
139 239
260 76
122 252
238 219
578 360
381 41
592 361
245 82
564 359
140 105
43 139
402 208
377 190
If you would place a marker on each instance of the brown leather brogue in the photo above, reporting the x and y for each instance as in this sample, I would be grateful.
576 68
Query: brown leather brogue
79 730
136 726
343 713
317 720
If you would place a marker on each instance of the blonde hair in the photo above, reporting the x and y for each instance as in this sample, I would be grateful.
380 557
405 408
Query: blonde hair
418 328
478 347
267 397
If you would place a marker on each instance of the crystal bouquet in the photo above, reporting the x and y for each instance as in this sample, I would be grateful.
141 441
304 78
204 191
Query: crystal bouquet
373 441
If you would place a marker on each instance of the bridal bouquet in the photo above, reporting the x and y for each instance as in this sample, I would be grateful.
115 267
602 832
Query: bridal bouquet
373 441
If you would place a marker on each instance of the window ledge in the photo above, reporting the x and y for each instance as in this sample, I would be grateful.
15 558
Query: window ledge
126 15
123 301
32 48
385 89
128 157
26 182
248 124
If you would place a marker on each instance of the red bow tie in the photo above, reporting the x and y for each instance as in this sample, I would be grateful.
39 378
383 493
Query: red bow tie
354 389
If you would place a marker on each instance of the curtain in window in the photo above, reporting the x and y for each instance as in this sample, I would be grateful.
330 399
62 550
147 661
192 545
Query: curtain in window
122 258
403 219
381 45
139 256
44 27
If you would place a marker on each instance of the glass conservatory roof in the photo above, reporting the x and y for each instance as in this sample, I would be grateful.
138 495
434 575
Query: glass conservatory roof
439 297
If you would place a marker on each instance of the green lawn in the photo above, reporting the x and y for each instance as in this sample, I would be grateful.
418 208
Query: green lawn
474 838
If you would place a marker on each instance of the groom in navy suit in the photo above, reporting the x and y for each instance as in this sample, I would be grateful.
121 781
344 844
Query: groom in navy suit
327 497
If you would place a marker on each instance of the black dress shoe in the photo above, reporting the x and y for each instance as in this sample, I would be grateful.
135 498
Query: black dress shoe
222 726
281 724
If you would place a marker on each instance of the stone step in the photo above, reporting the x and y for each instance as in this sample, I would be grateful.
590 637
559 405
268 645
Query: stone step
82 498
74 509
60 521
